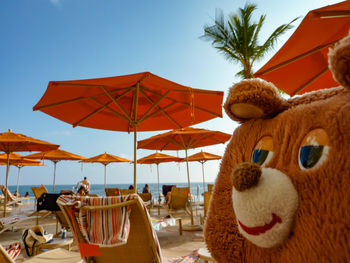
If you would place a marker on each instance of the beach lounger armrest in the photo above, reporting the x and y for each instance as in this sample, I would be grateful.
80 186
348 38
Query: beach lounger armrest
104 207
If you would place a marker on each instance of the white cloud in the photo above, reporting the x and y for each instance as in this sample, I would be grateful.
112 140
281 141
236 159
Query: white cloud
56 3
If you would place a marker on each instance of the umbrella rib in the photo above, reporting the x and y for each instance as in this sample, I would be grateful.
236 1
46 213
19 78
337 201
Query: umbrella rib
162 110
196 141
76 99
296 58
209 92
189 105
88 116
176 143
332 14
111 110
115 101
153 106
310 81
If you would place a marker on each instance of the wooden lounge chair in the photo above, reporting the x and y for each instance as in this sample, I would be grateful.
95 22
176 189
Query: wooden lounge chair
141 246
210 187
207 196
38 191
7 223
56 255
147 199
178 200
112 191
11 199
126 191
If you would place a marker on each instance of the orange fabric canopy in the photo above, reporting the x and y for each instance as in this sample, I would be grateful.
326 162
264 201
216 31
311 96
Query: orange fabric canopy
135 102
185 138
141 100
18 160
158 158
16 142
55 155
202 157
105 159
301 65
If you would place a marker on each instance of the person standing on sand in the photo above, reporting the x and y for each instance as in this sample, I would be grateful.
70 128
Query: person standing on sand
84 183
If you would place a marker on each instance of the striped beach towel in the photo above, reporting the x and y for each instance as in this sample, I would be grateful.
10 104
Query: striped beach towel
13 250
104 228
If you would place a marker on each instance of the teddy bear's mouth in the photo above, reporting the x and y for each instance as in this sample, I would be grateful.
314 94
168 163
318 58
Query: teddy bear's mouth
261 229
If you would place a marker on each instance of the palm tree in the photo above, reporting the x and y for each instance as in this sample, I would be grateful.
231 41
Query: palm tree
237 38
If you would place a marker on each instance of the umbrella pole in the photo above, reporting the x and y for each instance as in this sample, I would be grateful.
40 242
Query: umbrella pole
7 179
158 190
135 158
54 176
19 170
105 175
203 176
189 188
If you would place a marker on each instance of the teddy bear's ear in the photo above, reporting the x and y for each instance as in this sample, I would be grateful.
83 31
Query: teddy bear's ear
253 99
339 62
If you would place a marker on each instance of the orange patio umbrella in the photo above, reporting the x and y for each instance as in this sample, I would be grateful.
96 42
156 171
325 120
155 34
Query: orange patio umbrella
131 103
158 158
301 65
15 142
55 156
105 159
19 161
184 139
202 157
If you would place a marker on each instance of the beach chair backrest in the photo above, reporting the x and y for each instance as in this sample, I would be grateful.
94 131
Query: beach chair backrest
210 187
112 191
140 246
179 198
126 191
6 192
145 196
207 196
167 188
38 191
4 257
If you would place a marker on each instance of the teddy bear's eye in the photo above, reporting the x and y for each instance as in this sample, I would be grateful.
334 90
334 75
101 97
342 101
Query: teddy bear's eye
314 149
263 151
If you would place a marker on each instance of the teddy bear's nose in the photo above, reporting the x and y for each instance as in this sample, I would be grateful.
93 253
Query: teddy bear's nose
246 175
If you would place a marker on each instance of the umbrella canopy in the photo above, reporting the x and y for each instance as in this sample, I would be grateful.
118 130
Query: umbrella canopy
136 102
301 65
55 156
105 159
19 161
184 139
158 158
202 157
15 142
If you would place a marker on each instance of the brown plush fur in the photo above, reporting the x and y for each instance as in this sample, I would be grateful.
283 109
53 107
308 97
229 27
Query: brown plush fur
255 92
321 231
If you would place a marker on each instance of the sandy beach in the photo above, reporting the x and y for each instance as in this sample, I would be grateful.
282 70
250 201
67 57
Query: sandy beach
172 243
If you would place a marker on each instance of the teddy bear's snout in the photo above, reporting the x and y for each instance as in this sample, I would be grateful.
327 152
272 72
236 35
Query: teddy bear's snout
246 175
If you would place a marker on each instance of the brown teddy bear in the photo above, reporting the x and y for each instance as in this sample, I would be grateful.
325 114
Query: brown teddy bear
283 190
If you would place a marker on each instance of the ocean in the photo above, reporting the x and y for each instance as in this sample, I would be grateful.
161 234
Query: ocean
196 188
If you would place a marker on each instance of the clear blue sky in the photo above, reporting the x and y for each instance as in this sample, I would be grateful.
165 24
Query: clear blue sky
45 40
